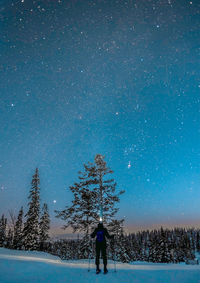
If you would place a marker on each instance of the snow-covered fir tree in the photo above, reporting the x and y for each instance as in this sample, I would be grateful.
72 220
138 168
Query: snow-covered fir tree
153 246
163 253
3 224
79 216
9 239
18 231
94 198
198 241
121 250
106 197
31 226
44 226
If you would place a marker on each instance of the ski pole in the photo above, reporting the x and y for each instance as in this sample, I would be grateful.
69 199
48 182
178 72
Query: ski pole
115 270
89 257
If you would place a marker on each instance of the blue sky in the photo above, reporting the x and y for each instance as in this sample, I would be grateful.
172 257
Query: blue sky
119 78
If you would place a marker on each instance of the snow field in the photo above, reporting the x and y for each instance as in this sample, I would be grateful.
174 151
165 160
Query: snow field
35 267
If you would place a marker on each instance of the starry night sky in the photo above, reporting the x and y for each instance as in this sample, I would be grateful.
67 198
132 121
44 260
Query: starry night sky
115 77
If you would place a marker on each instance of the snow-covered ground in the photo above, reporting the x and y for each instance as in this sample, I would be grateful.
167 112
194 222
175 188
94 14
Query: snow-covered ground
35 267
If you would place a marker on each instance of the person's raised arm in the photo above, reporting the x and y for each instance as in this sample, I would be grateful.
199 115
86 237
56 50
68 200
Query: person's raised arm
94 233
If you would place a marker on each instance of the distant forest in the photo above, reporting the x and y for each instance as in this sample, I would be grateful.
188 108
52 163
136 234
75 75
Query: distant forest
162 246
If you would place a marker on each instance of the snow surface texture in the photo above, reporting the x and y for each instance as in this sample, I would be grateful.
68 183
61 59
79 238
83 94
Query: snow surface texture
36 267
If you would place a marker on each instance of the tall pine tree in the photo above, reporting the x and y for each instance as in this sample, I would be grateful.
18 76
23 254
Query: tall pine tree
3 224
18 231
9 239
44 226
94 198
31 226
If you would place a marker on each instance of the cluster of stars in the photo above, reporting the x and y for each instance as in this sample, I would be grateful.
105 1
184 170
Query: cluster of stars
119 79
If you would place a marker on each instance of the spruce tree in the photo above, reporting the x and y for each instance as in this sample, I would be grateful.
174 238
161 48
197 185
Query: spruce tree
94 199
31 226
198 241
121 249
163 254
18 231
3 224
9 239
44 226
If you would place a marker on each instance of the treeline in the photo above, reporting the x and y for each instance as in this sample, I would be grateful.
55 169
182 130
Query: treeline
160 246
31 233
163 245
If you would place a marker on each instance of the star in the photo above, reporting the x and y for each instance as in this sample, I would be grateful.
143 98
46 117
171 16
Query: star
2 188
128 90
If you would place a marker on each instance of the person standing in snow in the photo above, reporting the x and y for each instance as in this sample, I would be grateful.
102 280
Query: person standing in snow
101 233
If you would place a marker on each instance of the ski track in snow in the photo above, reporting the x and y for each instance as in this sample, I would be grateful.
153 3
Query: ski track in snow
84 264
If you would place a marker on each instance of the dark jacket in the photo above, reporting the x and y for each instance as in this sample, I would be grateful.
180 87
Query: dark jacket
102 233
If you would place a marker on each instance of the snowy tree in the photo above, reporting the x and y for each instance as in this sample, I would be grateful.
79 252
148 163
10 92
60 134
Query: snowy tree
79 216
44 226
3 223
120 249
94 198
11 222
31 226
198 241
9 239
163 254
18 231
